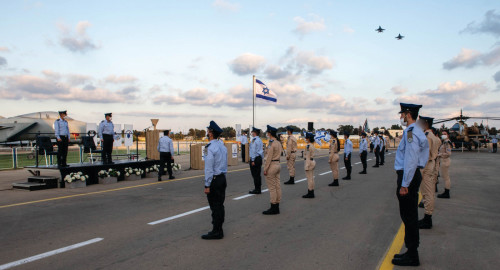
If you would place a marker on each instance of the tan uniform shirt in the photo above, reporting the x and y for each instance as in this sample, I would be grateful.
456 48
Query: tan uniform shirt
291 145
333 150
309 164
273 154
434 143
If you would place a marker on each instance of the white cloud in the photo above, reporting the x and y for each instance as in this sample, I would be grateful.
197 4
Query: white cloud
313 63
490 25
496 77
78 41
469 58
275 72
4 49
3 61
398 90
305 27
348 29
120 79
380 101
247 63
226 5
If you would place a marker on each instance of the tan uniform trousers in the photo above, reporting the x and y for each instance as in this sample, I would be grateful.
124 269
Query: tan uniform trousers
290 164
445 172
334 165
310 179
273 182
428 186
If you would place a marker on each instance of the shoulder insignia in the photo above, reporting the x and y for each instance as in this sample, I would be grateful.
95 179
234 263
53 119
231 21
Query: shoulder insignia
410 135
427 133
308 147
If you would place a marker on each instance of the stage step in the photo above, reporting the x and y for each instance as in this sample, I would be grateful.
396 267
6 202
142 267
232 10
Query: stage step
30 186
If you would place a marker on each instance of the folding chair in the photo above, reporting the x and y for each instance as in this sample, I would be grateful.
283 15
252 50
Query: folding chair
89 147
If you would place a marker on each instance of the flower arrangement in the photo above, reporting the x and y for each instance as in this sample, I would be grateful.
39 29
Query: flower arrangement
133 171
75 176
154 168
108 173
176 167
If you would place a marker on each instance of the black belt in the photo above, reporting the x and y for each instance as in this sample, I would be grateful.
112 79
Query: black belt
309 159
107 135
293 151
275 160
63 136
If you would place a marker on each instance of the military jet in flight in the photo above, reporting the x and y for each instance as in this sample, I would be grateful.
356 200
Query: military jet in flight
380 29
400 37
25 127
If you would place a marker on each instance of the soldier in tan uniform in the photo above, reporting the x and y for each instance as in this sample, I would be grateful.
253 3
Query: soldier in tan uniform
428 180
333 158
445 161
291 149
309 165
272 169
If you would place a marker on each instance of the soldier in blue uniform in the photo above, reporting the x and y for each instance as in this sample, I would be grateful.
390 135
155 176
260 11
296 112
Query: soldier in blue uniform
363 152
62 135
382 149
107 133
347 155
411 156
376 145
256 155
166 149
215 154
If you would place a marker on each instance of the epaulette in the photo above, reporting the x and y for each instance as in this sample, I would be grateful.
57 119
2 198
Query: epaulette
410 134
308 147
103 121
207 145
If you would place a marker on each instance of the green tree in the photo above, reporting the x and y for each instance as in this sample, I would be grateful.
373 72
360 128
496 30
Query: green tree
376 129
345 128
228 132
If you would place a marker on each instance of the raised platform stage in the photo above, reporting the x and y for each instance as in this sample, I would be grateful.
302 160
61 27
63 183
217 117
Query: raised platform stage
91 169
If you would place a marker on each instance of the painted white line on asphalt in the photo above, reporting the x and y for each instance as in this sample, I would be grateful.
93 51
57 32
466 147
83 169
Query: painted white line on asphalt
301 180
368 159
325 173
48 254
179 215
342 168
248 195
357 163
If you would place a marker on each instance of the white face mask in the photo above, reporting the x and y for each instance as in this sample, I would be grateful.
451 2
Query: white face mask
403 122
444 137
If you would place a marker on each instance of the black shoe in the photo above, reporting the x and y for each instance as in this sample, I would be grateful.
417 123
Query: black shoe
65 166
421 204
255 191
398 256
406 261
159 179
425 223
362 172
445 194
335 183
213 235
309 195
274 210
381 164
347 178
375 166
171 177
291 181
110 162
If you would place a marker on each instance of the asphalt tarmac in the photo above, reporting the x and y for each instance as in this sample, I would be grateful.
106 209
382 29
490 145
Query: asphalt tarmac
346 227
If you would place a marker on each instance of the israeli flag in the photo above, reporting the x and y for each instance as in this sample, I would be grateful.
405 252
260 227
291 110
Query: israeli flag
261 91
320 135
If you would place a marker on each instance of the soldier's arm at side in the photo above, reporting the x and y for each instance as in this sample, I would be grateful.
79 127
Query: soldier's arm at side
56 128
209 169
412 152
269 157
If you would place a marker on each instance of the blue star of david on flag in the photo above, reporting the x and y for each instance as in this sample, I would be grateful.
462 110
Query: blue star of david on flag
263 92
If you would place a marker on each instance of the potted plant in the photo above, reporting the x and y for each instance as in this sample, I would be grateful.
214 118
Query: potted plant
75 180
108 177
176 167
133 173
153 171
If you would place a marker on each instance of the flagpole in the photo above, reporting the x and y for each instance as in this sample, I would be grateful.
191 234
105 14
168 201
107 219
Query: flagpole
253 100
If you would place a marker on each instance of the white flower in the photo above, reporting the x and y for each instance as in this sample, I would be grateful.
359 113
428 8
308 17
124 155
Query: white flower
70 180
138 173
147 170
82 178
80 173
118 173
110 170
127 174
165 169
77 176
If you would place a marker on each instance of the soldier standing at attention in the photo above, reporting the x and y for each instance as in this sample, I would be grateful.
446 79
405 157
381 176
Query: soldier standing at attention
333 158
62 135
215 180
107 133
272 171
372 138
291 149
382 149
166 149
244 142
309 165
494 142
363 152
376 145
411 156
256 155
347 155
444 155
429 181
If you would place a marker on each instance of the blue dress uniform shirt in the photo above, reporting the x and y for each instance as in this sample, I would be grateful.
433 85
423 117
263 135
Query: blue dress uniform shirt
165 145
412 153
106 127
215 160
61 128
244 139
347 147
256 148
363 145
376 142
382 142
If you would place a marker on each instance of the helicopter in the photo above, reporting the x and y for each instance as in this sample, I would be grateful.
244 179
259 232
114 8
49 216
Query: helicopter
467 136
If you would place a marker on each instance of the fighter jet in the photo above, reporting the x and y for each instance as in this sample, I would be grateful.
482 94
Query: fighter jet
25 127
380 29
400 37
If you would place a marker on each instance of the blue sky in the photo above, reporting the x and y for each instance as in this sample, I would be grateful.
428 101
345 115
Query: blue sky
188 62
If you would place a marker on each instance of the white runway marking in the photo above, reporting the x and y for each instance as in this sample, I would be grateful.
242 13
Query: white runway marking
248 195
48 254
301 180
179 215
357 163
368 159
342 168
325 173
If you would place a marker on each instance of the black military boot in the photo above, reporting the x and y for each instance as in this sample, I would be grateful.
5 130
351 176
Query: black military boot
291 181
255 191
335 183
407 259
215 234
347 178
445 194
309 195
274 210
421 204
363 171
397 256
426 222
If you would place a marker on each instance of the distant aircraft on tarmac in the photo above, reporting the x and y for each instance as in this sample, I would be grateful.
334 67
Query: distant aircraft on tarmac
380 29
400 37
14 130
